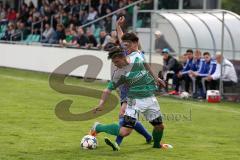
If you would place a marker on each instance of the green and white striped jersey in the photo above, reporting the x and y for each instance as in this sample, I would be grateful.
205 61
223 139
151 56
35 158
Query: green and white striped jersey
139 81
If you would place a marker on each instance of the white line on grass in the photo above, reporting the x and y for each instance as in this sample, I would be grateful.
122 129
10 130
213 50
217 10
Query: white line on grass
190 104
210 107
22 79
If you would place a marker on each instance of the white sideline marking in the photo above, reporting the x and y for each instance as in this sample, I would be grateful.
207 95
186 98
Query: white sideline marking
22 79
35 80
212 107
190 104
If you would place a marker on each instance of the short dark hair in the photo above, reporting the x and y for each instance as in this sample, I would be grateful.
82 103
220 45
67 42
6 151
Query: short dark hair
206 53
109 46
115 52
130 37
190 50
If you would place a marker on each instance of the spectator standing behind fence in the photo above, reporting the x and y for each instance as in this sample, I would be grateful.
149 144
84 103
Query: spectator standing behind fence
161 43
92 15
207 68
229 75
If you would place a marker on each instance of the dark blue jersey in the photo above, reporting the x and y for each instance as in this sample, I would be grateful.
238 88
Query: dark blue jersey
197 64
207 68
187 66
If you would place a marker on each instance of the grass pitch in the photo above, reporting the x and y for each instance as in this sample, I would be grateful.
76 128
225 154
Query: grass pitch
29 129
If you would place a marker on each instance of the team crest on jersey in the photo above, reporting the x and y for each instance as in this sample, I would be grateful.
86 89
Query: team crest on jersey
131 102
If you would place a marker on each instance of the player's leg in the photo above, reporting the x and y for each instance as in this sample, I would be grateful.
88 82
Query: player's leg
205 85
157 132
194 87
187 81
128 123
199 86
125 130
142 130
119 138
138 127
177 82
123 133
113 129
153 115
123 97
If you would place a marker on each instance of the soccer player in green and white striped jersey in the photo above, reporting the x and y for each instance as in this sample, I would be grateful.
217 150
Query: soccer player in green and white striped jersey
131 71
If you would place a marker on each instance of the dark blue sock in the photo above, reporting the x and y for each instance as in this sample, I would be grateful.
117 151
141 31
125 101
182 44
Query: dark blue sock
120 138
202 94
141 130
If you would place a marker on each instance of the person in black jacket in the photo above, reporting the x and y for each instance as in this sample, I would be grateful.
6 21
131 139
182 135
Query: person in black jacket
171 68
91 39
82 39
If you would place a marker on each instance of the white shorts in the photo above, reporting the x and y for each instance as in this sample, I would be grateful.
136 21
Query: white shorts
149 107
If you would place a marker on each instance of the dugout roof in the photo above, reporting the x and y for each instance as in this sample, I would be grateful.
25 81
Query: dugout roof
200 29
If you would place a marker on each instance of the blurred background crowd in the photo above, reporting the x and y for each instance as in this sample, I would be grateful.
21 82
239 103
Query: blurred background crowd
60 21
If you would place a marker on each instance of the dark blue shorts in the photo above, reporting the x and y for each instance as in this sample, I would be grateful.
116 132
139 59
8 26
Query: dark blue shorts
123 93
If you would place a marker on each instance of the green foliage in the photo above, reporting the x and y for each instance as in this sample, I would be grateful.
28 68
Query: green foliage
232 5
31 131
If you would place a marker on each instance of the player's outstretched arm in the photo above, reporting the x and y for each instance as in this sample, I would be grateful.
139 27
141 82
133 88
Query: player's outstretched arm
120 21
157 80
105 95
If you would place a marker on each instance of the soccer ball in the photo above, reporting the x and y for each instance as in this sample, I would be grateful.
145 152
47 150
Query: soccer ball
88 142
184 95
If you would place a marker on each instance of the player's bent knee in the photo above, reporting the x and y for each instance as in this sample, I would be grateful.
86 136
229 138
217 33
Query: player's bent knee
159 127
157 121
129 122
125 131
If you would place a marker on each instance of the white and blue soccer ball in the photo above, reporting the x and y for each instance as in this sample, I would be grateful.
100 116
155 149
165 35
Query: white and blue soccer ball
89 142
184 95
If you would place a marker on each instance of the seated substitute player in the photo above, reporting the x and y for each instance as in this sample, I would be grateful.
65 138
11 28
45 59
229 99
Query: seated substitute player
196 65
183 74
207 68
131 71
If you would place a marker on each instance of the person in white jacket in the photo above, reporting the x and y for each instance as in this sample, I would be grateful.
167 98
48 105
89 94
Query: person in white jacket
229 76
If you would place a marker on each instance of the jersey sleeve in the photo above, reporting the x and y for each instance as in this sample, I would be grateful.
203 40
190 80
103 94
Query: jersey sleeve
212 67
186 68
117 79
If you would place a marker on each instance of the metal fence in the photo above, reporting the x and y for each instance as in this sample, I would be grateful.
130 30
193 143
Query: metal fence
207 30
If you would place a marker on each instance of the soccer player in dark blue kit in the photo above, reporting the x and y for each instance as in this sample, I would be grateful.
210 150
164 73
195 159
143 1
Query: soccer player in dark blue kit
124 89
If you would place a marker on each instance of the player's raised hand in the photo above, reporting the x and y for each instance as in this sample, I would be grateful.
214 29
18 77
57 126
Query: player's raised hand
98 108
121 20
